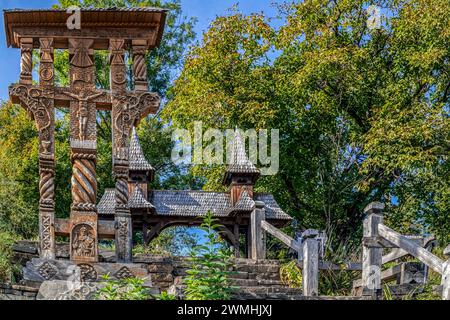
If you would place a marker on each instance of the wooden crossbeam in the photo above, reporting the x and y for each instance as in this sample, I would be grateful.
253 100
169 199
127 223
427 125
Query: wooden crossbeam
62 100
106 229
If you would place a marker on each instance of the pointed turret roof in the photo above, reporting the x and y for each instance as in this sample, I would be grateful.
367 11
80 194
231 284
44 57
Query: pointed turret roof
245 202
137 159
240 164
138 200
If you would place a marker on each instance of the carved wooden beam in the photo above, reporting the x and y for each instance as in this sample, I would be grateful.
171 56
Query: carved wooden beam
106 228
102 102
100 36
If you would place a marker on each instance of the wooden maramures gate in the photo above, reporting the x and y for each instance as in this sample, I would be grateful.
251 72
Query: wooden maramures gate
131 206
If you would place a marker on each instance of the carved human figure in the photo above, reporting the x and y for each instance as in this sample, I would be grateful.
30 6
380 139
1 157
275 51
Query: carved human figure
83 243
83 110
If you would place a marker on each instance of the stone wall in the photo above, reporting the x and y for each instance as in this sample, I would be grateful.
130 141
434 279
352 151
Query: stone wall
162 272
17 292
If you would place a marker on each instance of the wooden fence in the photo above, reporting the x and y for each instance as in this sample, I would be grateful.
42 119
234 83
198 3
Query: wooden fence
377 237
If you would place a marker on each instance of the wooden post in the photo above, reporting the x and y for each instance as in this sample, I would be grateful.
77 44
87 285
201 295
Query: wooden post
310 276
372 256
237 251
446 276
257 234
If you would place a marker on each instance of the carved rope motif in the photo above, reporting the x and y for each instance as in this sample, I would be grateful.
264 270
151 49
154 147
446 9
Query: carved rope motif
140 65
84 183
26 63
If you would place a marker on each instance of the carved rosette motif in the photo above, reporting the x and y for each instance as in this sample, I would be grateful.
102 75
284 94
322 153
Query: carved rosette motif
47 270
88 273
117 62
124 273
46 69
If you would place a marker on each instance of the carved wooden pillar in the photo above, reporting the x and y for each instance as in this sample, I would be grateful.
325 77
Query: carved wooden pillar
257 234
47 154
120 137
372 256
26 61
140 65
83 141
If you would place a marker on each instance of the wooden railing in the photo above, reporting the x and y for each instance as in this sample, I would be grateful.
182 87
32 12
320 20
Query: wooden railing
377 236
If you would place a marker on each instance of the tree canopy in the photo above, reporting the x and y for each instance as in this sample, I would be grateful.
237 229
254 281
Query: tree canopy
363 112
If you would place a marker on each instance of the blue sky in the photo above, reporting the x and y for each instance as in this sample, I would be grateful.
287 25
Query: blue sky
204 10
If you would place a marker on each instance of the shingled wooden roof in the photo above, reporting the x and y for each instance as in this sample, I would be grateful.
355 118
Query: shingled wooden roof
99 24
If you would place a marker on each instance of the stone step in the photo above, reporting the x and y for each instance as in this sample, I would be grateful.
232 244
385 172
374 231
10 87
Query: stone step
258 268
270 290
255 282
241 261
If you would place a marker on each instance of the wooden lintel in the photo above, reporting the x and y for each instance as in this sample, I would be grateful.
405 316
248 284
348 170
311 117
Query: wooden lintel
106 229
100 36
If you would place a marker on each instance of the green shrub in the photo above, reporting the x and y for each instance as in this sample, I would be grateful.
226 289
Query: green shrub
125 289
6 267
166 296
291 275
208 277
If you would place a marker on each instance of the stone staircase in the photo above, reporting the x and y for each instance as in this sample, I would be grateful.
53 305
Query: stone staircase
254 280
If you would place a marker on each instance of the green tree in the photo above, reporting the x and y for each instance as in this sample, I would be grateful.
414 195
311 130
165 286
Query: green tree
210 264
363 113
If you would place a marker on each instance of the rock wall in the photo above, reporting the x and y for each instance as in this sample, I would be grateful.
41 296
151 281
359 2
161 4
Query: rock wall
163 273
17 292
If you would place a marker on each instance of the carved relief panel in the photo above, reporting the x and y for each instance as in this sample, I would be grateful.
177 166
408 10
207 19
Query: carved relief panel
83 243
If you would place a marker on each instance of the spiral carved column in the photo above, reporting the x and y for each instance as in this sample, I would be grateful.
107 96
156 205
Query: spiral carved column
84 181
26 62
140 65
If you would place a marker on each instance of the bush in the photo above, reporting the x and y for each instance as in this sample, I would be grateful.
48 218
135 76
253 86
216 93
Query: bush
125 289
208 277
6 267
291 275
